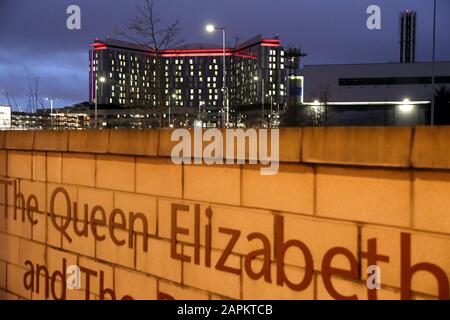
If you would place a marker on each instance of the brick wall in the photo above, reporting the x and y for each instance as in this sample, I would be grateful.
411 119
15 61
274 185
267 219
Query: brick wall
141 227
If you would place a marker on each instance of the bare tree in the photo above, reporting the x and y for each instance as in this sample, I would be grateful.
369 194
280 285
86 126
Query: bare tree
31 99
7 97
148 29
320 114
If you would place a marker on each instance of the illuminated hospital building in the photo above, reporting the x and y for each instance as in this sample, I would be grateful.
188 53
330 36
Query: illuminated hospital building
125 74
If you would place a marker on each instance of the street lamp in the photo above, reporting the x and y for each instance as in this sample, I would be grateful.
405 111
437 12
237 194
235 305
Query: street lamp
51 110
271 109
210 28
262 98
101 80
173 96
433 65
226 108
200 103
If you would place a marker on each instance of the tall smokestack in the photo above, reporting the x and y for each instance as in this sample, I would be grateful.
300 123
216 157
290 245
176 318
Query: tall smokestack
408 37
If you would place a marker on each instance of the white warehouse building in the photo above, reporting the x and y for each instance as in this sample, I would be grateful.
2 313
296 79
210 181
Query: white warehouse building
377 85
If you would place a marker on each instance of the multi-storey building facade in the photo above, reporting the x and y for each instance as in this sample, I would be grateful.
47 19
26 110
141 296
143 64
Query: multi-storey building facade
191 76
129 71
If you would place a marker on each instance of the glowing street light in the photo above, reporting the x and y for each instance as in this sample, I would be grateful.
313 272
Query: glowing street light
101 80
51 110
198 124
406 106
226 108
173 96
210 28
256 78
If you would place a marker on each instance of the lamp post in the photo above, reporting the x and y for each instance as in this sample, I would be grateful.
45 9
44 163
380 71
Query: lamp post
433 66
51 110
262 98
200 104
173 96
101 80
271 111
226 108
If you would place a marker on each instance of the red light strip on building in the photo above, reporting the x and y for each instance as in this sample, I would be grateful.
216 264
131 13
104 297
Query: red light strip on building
203 52
197 51
277 41
99 46
181 55
270 43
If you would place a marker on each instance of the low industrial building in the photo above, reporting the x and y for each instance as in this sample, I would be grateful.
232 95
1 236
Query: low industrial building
387 93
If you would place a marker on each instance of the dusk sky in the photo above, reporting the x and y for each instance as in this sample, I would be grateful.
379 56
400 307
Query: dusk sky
34 40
